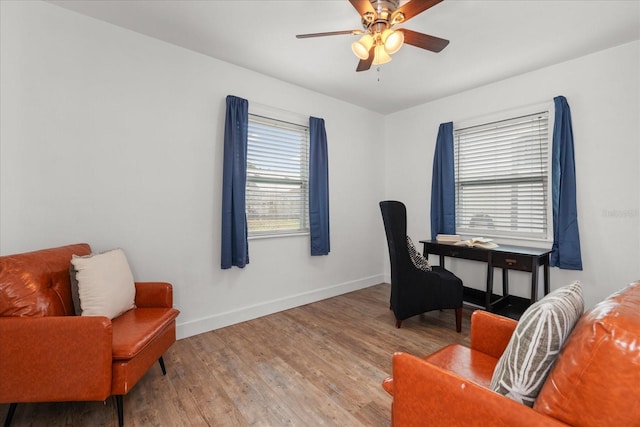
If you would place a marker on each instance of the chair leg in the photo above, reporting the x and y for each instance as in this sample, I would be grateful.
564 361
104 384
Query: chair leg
161 361
119 397
398 323
12 410
119 404
459 319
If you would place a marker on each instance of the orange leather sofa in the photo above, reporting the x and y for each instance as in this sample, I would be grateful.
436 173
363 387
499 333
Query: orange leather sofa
595 380
48 354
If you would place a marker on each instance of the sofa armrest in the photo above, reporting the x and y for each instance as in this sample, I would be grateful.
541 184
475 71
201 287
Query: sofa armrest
62 358
426 394
154 294
490 333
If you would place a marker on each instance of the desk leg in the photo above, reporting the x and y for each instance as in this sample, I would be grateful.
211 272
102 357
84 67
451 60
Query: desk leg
546 277
534 283
487 298
442 261
505 282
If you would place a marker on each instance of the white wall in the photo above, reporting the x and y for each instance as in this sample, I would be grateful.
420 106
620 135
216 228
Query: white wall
604 94
115 139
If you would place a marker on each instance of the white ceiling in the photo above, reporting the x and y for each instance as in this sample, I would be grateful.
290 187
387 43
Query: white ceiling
490 40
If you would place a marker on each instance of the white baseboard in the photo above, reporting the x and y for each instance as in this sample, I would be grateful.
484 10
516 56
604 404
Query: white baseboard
220 320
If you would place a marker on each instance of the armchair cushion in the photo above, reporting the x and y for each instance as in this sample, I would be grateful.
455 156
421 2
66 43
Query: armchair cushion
105 283
540 334
135 329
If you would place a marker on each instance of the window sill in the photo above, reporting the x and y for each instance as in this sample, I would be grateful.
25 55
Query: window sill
272 236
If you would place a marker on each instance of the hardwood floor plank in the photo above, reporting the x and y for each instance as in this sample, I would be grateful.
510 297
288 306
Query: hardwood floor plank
316 361
320 364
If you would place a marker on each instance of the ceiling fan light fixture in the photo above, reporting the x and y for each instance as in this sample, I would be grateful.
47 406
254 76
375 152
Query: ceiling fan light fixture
392 41
361 47
378 38
380 55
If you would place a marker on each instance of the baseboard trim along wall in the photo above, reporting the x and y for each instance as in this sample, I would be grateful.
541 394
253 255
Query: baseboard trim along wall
220 320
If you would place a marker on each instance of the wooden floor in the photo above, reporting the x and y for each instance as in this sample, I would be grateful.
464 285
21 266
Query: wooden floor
316 365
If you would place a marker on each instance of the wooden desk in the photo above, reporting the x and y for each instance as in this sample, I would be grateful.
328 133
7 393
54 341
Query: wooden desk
505 257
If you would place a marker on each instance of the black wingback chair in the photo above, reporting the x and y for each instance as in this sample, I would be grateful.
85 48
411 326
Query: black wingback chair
414 291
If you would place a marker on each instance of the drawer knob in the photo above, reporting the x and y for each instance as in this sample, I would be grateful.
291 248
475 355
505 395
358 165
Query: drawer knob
510 261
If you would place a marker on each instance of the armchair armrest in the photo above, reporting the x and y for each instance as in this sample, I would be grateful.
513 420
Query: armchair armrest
490 333
63 358
427 394
154 294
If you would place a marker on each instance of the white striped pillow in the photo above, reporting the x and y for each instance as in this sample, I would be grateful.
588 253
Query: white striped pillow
541 332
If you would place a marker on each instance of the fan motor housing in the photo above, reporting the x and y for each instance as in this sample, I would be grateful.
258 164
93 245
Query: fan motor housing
381 19
385 7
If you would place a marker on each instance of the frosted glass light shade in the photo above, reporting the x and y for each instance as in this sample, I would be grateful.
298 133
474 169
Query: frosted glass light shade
381 56
393 42
362 46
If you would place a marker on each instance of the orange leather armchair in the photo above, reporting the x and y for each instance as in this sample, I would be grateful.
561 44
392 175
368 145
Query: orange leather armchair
594 381
47 354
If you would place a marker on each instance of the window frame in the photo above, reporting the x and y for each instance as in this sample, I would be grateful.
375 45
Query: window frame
515 113
270 116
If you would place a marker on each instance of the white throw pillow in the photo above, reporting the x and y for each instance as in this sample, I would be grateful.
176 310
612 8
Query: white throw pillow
105 283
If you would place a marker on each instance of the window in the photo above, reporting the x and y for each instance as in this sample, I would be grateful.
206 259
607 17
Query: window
502 178
277 194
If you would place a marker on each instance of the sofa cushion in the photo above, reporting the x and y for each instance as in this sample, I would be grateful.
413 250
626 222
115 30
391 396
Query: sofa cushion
535 344
595 379
37 283
105 283
135 329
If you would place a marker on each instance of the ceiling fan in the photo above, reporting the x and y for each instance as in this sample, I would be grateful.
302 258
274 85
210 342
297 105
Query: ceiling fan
380 40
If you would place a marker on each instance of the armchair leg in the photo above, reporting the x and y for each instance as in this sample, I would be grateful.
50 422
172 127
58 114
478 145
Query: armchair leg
398 323
12 410
119 404
161 362
459 319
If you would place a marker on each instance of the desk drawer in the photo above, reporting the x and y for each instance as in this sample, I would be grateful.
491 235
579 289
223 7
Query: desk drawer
511 261
454 251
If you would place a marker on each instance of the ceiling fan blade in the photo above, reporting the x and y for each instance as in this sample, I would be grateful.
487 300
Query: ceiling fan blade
413 8
365 64
329 33
363 6
424 41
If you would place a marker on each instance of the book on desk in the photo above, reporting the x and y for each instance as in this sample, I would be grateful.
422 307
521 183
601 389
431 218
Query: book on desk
474 242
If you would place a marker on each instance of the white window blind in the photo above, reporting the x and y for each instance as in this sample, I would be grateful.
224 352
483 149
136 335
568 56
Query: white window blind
277 193
502 178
